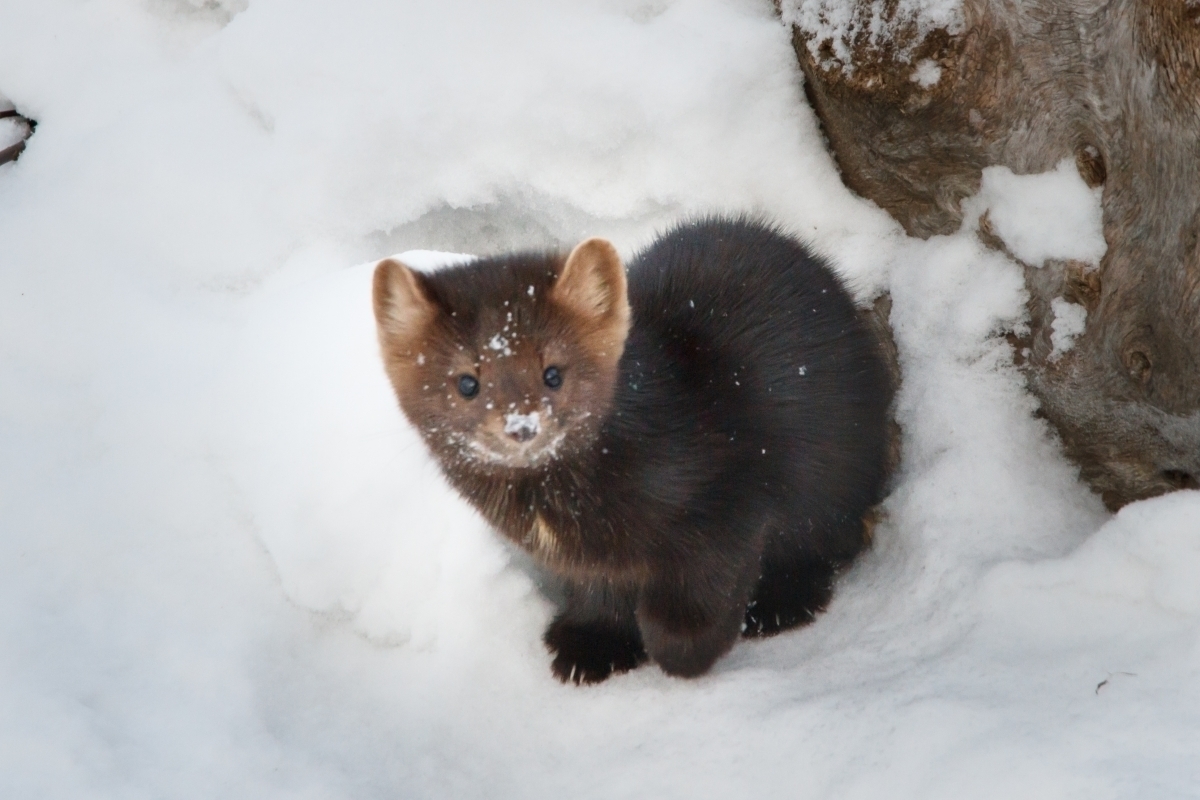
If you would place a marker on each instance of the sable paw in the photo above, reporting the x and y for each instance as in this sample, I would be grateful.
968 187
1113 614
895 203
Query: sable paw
781 605
589 653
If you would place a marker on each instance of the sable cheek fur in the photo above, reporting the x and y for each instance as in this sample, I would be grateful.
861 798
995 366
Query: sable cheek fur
691 447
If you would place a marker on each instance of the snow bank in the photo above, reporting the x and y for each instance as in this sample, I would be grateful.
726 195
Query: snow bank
228 568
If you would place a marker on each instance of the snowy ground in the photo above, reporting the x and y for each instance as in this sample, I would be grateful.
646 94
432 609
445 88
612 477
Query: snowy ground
227 567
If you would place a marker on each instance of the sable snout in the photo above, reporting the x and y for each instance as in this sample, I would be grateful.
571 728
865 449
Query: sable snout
522 427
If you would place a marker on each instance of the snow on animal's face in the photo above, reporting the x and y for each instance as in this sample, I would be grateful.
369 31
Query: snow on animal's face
493 366
511 395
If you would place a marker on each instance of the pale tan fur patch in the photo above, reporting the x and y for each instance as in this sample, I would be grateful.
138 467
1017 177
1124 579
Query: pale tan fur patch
544 538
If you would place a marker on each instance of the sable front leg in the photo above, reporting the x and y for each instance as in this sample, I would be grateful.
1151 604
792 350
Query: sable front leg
596 634
690 619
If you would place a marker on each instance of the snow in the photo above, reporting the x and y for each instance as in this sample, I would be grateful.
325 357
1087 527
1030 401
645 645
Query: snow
12 129
1070 320
228 567
519 423
500 345
11 132
927 73
1048 215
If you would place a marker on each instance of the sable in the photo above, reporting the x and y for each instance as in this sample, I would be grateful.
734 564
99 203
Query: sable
692 447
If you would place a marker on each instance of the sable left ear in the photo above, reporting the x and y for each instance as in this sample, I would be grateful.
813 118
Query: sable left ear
402 308
592 284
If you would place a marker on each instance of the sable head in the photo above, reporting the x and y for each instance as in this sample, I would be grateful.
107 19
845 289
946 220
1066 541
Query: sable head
509 362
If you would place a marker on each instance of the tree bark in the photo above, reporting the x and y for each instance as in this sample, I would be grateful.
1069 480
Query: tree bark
914 116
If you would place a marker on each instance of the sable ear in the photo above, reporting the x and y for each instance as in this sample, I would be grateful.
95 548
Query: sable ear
401 307
592 283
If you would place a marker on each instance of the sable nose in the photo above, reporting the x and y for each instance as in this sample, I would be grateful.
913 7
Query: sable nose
522 427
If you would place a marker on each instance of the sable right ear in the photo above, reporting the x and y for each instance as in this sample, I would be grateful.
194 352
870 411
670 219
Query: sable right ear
592 283
401 306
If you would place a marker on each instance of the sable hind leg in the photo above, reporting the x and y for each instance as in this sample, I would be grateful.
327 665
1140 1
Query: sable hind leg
691 615
596 634
796 582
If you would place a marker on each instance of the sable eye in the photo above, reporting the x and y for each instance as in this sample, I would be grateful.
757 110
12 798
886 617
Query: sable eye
552 377
468 386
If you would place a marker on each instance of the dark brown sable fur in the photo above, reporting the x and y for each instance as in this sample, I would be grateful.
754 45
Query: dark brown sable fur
704 467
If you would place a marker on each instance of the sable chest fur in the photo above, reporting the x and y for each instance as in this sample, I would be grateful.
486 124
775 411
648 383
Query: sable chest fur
691 447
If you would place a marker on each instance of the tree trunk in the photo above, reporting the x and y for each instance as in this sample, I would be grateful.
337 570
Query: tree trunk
916 100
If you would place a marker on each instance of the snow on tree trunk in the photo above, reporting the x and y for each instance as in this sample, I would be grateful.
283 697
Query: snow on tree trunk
917 97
